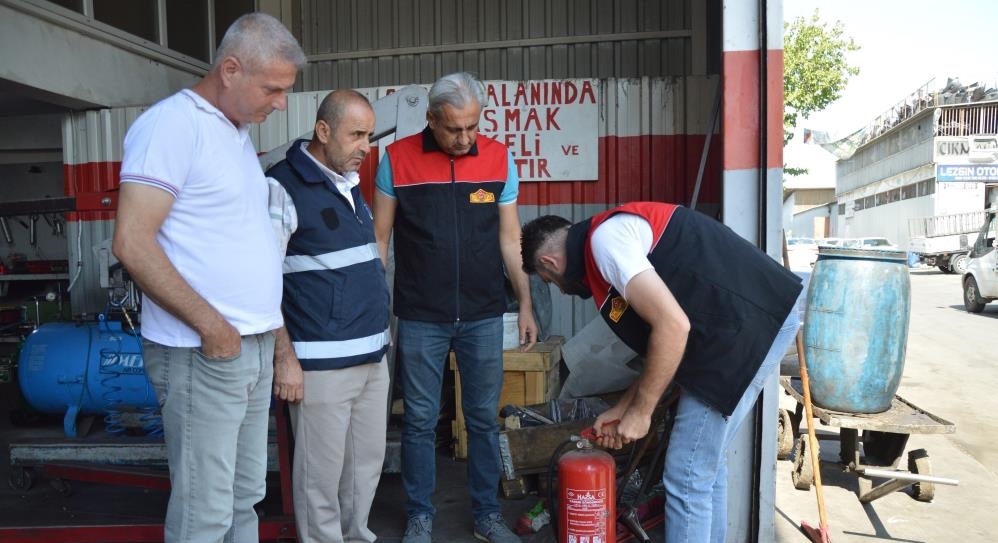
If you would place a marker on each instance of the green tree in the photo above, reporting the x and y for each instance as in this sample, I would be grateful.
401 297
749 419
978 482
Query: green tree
815 68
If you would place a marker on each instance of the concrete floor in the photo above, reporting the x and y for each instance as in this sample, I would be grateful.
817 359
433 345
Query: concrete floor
949 372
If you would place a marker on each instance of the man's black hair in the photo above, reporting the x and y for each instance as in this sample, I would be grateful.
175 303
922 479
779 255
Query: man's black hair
535 235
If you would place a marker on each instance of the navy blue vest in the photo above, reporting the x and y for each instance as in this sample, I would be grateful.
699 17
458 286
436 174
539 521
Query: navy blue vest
336 299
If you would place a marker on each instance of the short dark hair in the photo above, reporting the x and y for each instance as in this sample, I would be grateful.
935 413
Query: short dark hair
535 235
334 105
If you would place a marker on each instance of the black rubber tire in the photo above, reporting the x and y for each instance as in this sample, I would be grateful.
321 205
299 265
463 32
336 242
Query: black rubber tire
20 479
803 472
945 269
972 296
784 435
918 463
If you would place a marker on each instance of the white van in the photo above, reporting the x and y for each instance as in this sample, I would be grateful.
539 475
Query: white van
980 282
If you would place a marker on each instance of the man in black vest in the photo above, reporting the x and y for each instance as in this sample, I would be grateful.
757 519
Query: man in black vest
705 308
329 361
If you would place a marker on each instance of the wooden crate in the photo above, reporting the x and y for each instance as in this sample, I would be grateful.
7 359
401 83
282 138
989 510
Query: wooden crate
528 379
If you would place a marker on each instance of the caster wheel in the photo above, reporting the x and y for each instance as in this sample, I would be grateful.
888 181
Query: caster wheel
62 486
803 473
784 436
21 478
918 463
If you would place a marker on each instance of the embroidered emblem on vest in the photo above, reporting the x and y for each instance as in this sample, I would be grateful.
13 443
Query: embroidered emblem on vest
481 196
617 307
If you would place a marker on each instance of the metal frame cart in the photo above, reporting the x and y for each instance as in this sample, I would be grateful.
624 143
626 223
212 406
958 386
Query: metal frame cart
104 461
884 438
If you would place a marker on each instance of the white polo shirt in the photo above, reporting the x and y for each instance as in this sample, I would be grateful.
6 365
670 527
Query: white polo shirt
218 233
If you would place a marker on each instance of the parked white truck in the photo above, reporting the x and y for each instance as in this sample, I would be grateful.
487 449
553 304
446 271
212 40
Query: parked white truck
980 282
944 240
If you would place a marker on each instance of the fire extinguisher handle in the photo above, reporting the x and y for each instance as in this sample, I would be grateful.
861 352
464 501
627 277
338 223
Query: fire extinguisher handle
590 432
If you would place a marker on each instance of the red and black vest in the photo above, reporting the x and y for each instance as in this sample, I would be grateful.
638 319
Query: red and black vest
735 296
448 265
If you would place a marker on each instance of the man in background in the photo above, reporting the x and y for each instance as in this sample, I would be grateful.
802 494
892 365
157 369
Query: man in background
330 359
450 199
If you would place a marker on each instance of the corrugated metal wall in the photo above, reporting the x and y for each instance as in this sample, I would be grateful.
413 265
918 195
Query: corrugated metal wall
651 133
367 43
92 149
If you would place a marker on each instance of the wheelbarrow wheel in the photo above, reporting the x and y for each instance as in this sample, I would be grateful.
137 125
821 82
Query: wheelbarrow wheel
784 435
803 473
918 463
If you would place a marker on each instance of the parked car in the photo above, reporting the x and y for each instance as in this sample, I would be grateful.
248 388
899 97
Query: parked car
980 282
802 253
882 244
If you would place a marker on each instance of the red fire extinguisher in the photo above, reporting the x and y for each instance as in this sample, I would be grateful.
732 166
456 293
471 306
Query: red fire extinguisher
586 495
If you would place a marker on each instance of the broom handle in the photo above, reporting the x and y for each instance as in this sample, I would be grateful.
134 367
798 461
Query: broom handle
806 384
812 439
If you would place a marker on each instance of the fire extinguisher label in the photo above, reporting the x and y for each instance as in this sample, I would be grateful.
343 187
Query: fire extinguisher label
586 512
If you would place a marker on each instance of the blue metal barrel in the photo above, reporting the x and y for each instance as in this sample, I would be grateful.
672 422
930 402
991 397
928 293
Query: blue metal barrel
92 368
856 328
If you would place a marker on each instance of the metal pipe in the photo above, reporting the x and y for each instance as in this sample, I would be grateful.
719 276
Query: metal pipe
763 8
33 230
714 114
5 228
906 476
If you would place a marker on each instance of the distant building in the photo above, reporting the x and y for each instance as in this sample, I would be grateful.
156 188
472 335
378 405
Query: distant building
934 153
808 198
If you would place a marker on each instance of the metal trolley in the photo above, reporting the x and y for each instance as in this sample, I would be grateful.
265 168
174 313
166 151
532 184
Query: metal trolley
884 438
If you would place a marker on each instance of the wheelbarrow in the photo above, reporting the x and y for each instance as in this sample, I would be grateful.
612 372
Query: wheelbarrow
884 438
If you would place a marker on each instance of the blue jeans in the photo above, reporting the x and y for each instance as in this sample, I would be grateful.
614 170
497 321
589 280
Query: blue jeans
215 424
696 467
422 350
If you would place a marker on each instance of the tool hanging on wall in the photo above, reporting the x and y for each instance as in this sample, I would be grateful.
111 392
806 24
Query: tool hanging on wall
33 231
54 223
5 228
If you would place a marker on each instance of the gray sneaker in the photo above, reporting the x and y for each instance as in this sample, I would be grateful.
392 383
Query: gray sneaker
418 529
493 529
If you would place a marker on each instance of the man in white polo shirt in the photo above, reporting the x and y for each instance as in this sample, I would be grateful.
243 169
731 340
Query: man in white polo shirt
194 232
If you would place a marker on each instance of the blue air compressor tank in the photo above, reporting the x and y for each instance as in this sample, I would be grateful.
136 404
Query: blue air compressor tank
92 369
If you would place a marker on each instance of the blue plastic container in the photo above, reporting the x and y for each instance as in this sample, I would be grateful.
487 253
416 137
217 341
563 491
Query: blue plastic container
93 369
856 328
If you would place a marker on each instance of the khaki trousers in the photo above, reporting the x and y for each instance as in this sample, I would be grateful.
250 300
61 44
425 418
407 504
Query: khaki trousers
339 430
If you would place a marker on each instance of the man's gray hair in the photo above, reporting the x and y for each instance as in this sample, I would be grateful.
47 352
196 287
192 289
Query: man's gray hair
456 90
256 40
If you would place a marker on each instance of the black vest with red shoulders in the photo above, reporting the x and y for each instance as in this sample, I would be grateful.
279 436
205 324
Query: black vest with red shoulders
735 296
448 265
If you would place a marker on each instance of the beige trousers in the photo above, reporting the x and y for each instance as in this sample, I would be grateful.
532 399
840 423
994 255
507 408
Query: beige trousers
339 430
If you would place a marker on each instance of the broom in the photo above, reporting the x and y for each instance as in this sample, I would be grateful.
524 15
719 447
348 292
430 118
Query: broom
820 534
